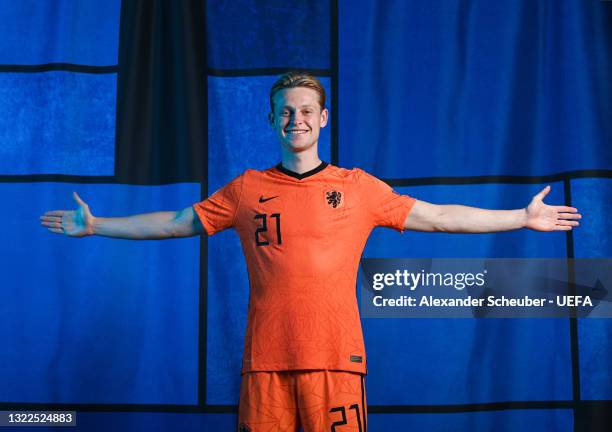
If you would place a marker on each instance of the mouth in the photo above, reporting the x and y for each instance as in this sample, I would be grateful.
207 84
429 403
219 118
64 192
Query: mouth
293 132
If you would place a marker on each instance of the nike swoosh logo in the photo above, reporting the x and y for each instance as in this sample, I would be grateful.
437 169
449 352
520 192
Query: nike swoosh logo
263 200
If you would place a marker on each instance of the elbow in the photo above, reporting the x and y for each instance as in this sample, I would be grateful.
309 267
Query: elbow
181 228
440 222
174 229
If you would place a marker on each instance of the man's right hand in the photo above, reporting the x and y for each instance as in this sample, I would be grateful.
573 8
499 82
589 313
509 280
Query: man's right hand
74 223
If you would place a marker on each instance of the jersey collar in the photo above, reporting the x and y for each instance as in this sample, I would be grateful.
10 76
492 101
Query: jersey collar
302 176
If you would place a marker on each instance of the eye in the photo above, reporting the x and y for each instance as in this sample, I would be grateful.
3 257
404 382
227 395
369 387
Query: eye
285 113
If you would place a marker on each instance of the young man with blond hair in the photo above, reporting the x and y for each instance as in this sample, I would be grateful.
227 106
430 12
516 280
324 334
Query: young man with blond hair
303 225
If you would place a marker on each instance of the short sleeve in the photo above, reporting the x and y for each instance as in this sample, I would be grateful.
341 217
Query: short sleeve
218 211
386 207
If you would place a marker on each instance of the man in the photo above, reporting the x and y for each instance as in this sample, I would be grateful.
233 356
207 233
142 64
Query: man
303 225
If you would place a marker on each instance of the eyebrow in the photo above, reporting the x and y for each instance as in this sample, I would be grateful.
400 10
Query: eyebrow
301 106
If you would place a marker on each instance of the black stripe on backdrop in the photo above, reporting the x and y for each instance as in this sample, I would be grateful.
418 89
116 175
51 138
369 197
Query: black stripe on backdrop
509 179
573 323
596 409
67 67
71 67
56 178
203 315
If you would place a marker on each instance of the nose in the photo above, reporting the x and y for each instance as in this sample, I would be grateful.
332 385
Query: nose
296 118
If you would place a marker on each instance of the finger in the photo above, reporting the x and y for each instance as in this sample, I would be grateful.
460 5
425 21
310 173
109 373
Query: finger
55 212
568 209
50 218
565 209
562 228
567 223
56 230
52 224
78 199
570 216
540 195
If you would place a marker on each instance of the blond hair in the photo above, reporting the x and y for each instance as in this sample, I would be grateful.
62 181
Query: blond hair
297 79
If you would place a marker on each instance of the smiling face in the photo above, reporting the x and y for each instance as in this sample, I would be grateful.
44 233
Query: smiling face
298 118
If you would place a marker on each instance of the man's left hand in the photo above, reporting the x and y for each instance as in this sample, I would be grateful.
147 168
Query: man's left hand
544 217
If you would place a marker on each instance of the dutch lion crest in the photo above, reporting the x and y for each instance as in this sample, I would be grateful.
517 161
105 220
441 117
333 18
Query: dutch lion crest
334 198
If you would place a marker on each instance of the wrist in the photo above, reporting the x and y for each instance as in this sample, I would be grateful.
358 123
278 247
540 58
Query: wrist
94 226
524 218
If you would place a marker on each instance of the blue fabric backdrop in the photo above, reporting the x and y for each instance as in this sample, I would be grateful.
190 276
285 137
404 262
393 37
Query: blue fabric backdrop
452 101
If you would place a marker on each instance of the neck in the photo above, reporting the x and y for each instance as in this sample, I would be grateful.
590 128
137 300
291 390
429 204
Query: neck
300 162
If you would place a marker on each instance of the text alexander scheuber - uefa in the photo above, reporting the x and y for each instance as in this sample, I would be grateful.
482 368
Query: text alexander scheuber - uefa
459 281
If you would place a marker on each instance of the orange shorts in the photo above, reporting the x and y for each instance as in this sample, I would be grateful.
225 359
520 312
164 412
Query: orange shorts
317 401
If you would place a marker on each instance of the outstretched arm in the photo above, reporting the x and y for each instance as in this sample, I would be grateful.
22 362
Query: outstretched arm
149 226
463 219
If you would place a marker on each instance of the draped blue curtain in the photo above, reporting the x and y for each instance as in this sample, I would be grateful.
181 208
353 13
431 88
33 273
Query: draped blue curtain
473 102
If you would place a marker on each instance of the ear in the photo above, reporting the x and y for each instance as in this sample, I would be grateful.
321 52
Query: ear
271 118
324 117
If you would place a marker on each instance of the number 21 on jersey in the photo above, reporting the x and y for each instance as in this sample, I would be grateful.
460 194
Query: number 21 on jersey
261 236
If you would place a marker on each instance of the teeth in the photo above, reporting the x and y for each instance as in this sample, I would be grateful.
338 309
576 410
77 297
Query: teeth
295 132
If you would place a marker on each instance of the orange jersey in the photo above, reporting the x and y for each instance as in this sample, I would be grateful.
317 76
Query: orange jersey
303 236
